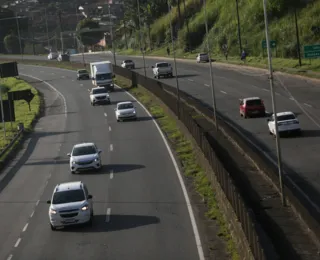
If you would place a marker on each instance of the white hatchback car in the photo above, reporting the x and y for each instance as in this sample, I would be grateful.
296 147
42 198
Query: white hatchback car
202 57
128 64
287 123
52 56
125 111
70 204
85 156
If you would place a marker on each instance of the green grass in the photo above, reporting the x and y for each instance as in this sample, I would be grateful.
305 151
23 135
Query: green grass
182 146
186 154
223 29
22 113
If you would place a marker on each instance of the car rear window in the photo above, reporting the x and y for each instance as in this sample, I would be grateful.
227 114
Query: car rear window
203 54
68 196
161 65
254 102
286 117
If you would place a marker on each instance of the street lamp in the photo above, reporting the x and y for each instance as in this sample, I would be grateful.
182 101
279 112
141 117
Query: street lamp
112 38
140 33
239 30
280 171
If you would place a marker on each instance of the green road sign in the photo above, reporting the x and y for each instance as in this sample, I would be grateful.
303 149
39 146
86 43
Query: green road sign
273 44
311 51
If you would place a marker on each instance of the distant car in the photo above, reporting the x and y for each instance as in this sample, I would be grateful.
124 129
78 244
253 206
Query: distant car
125 111
252 106
162 69
70 204
99 96
52 56
63 57
202 57
85 156
128 64
287 123
82 74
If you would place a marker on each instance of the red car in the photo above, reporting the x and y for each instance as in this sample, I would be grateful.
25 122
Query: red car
252 106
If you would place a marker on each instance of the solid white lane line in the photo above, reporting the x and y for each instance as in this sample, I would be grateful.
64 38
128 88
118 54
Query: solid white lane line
111 147
306 104
207 85
18 242
54 89
37 203
9 257
32 214
25 227
109 128
183 187
111 174
105 114
108 215
223 92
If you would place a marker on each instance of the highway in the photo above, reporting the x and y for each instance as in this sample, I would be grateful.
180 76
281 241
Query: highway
140 208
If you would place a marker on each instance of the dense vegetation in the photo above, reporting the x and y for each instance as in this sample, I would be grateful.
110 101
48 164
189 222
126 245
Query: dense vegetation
189 28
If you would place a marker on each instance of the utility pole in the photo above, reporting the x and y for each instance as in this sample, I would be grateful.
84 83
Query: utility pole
61 32
239 29
112 38
19 36
47 29
297 35
140 36
280 171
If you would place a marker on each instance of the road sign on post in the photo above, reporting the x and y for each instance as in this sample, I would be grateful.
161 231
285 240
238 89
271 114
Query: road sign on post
311 51
273 44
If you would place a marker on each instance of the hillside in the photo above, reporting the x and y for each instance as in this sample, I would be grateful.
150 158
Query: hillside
222 17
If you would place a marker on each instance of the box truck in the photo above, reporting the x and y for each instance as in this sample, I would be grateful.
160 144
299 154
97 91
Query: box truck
102 74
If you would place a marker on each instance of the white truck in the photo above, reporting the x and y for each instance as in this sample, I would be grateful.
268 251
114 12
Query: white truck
102 74
162 69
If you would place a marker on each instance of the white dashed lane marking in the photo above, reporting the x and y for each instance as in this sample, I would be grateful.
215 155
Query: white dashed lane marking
32 214
111 147
265 89
308 105
37 203
18 242
109 128
191 80
108 215
207 85
25 227
105 114
223 92
111 174
9 257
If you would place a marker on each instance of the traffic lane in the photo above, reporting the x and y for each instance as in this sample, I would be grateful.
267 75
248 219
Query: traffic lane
145 197
25 179
91 125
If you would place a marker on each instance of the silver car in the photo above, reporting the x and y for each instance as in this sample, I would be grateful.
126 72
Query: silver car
70 204
125 111
85 156
202 57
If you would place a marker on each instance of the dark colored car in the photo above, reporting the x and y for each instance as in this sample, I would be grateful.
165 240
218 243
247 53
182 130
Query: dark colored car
82 74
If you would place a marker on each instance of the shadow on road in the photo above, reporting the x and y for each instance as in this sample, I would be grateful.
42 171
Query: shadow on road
118 168
116 223
187 76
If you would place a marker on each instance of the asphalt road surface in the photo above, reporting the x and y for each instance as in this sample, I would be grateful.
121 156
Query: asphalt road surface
140 209
299 95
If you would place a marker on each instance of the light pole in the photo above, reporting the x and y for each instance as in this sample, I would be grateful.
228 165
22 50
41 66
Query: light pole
80 8
239 30
280 171
112 38
214 106
140 33
297 35
47 29
174 59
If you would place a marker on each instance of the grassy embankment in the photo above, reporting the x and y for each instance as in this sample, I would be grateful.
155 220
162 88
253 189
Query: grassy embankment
223 29
182 147
22 113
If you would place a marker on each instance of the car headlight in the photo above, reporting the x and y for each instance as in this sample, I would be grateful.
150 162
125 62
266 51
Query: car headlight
84 208
52 211
74 162
96 160
134 112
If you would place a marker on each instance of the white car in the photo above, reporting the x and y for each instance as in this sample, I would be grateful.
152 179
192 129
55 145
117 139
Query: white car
99 96
70 204
52 56
202 57
287 123
85 156
162 69
128 64
125 110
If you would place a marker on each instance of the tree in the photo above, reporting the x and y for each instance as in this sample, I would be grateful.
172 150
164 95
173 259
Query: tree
89 37
12 45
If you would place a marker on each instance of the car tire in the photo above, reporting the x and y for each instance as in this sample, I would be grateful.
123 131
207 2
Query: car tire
52 227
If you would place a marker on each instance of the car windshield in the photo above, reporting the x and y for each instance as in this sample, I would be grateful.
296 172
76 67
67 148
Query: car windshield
203 54
254 102
125 106
99 91
68 196
84 150
82 71
127 61
162 65
286 117
104 76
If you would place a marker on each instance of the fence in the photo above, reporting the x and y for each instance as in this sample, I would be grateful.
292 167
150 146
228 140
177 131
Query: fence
167 95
